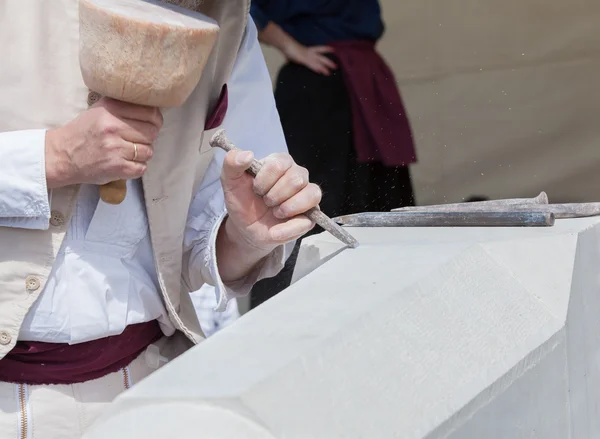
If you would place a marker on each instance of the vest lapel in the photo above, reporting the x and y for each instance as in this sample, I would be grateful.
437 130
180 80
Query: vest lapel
181 156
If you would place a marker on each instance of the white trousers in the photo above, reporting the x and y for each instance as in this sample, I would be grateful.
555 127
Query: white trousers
66 411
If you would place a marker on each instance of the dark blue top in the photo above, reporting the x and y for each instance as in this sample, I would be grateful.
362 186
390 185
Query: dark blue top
317 22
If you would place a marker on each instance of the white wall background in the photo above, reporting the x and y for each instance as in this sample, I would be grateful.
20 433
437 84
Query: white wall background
503 96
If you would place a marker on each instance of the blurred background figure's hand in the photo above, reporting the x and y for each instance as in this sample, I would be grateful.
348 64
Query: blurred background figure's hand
314 58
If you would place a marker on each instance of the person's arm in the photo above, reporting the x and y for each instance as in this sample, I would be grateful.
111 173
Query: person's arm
271 34
24 197
239 267
313 57
96 147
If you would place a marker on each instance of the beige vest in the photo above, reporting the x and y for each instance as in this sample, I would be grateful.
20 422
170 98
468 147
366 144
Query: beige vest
41 87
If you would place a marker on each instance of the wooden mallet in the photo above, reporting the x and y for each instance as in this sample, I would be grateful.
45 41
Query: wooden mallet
142 52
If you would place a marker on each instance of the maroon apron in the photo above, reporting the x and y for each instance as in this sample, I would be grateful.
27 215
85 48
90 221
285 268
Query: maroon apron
381 127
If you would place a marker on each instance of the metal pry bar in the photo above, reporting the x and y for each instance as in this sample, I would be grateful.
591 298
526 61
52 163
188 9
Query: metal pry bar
560 211
448 219
220 140
542 198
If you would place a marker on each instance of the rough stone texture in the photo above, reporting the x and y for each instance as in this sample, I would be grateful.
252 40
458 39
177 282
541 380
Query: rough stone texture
143 52
418 333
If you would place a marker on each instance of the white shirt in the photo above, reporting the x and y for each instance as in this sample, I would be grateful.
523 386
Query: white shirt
104 277
212 321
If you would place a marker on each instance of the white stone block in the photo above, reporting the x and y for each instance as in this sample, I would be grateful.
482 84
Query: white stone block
463 333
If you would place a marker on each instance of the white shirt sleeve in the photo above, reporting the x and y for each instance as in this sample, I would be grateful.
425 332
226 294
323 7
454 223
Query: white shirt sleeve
24 199
205 303
252 123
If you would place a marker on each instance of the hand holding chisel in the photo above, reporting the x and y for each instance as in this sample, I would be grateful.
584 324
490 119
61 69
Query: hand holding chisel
219 140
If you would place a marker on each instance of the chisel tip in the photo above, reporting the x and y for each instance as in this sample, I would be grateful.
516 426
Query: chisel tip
354 244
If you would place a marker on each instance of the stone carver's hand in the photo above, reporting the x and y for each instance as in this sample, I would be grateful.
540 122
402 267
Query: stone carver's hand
112 140
267 210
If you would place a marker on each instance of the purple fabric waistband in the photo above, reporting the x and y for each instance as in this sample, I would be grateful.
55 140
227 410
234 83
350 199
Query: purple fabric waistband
57 363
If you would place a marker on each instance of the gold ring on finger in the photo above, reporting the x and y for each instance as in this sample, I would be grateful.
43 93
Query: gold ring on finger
135 151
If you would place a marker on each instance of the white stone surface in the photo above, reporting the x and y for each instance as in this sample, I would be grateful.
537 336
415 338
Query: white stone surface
419 333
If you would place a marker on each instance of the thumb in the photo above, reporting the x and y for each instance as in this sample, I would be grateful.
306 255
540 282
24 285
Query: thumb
235 164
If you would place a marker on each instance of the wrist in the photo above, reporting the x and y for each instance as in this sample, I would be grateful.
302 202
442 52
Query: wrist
236 255
291 49
57 174
275 36
234 237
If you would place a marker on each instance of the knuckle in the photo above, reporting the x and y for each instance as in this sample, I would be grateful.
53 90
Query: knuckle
141 170
152 132
109 129
287 160
229 159
124 168
259 190
282 161
314 187
107 125
273 197
108 143
152 115
274 165
283 211
301 179
159 118
316 192
134 170
298 182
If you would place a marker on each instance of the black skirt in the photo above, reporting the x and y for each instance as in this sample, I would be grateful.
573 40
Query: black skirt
317 122
316 117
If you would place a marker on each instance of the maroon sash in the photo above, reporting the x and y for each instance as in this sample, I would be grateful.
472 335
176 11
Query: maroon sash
57 363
